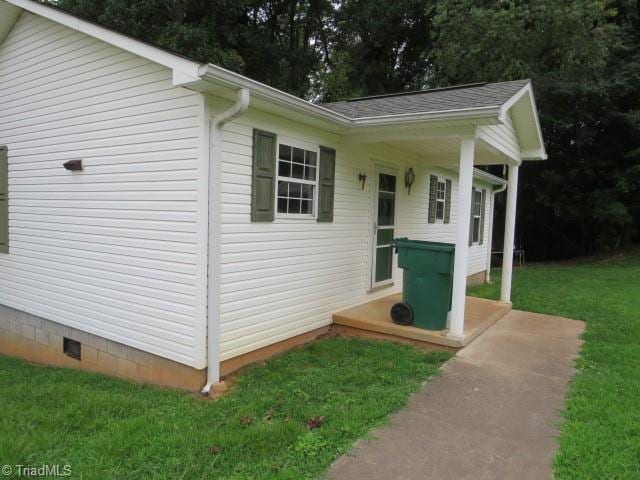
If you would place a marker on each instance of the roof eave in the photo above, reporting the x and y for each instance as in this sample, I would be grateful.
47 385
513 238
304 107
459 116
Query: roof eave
492 179
221 77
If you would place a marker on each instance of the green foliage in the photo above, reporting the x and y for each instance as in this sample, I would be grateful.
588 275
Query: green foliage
378 47
583 58
599 436
108 428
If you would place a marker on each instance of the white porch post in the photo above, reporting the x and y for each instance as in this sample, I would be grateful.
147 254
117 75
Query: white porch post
509 233
465 183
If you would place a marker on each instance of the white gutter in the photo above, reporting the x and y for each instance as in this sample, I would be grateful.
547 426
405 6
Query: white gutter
213 284
490 239
226 78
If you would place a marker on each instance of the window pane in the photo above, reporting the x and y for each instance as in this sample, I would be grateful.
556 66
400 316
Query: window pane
283 189
285 152
383 263
298 155
311 158
294 190
307 191
294 206
386 206
282 205
476 229
385 236
440 210
309 173
306 206
297 170
284 169
387 183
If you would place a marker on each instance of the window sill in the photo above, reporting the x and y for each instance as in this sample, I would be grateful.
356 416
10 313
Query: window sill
380 287
295 218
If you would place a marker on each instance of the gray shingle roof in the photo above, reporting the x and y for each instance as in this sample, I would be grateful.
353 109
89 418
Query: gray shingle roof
437 99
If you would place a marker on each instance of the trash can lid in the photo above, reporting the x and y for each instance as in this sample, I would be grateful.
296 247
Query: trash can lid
424 245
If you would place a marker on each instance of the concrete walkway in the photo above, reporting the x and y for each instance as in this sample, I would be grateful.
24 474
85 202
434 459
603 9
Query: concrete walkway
491 415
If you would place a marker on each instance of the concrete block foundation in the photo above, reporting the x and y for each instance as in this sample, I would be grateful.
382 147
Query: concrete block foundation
39 340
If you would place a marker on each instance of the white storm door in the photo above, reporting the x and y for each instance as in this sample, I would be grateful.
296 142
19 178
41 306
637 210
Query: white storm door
384 224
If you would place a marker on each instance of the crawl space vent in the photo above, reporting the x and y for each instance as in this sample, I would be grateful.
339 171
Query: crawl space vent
71 348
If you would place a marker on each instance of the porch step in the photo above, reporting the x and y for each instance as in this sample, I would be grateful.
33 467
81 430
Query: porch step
374 317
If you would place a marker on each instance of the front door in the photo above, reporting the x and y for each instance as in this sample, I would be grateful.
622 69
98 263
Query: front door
385 205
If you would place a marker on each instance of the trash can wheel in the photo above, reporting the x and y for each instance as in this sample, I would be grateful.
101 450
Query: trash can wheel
402 314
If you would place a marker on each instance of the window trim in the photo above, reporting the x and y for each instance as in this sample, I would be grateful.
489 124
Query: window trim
443 180
443 201
476 193
293 143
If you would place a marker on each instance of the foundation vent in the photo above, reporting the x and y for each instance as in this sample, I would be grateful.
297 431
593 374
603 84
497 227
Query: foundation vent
71 348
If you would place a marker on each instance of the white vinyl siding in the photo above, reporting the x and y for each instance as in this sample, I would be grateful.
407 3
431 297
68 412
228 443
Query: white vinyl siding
283 278
502 137
117 249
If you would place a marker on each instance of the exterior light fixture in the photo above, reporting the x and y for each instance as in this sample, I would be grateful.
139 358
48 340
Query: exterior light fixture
362 178
73 165
409 178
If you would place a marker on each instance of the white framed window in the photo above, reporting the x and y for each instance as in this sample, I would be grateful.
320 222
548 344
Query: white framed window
297 187
476 210
441 195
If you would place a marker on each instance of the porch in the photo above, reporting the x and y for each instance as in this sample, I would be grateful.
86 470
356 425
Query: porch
373 319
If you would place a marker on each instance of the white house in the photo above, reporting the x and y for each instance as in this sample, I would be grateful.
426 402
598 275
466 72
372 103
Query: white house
202 215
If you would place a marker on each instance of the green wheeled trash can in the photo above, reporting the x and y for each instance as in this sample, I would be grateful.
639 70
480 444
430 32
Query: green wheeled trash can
427 283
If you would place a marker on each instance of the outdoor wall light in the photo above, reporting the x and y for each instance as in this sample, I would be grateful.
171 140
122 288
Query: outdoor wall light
362 178
409 178
73 165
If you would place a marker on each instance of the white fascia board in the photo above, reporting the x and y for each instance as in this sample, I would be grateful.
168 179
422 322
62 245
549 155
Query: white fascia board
482 175
472 114
226 78
150 52
534 154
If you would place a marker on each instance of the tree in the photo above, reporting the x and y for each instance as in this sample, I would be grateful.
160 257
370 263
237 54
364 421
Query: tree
278 42
378 46
582 56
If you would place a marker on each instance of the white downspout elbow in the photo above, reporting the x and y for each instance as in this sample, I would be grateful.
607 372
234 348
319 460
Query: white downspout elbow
213 284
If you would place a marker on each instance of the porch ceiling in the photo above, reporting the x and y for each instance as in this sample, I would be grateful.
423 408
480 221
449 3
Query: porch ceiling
433 145
446 151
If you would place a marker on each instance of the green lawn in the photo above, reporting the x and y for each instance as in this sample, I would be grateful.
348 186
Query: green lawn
107 428
600 436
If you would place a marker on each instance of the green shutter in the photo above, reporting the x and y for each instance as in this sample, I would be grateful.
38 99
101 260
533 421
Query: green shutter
447 202
473 193
263 187
482 203
326 184
4 201
433 187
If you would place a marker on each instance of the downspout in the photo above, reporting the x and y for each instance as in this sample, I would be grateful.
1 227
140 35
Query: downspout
215 198
490 243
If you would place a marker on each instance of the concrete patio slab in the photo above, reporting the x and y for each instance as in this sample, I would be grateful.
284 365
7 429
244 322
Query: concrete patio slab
491 415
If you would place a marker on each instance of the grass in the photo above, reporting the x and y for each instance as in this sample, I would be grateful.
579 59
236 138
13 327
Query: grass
108 428
600 434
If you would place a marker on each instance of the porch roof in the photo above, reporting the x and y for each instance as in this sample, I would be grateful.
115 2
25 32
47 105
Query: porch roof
460 97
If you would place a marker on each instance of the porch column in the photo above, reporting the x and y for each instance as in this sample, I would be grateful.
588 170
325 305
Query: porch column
509 233
465 184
